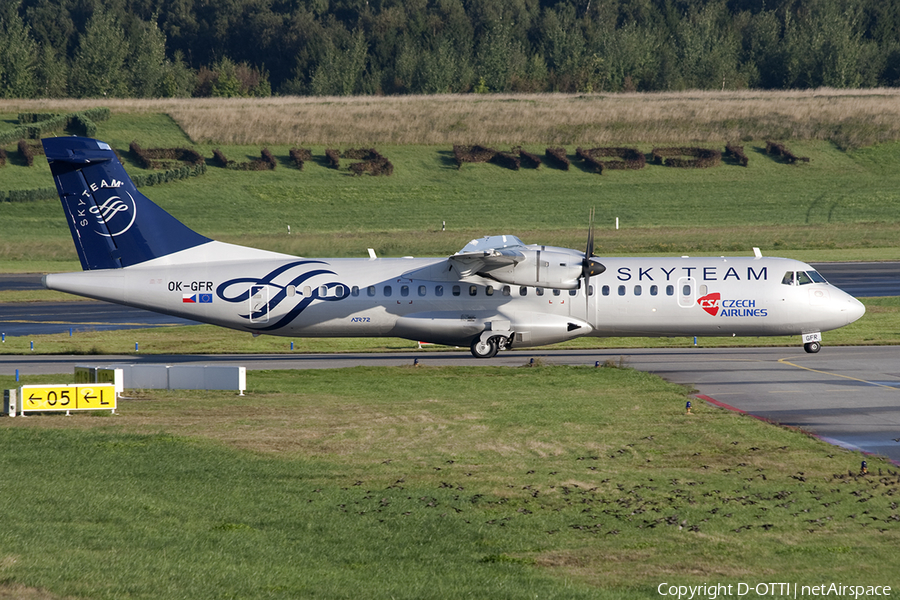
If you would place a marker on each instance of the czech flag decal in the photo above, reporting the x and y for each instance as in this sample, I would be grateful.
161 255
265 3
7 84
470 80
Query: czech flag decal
197 298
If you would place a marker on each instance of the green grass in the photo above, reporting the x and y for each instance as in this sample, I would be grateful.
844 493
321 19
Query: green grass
839 201
553 482
880 326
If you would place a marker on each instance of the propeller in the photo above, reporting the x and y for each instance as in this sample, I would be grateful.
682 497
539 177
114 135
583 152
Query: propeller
590 266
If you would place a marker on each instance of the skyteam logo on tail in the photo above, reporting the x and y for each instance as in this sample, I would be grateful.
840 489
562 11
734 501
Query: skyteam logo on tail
116 213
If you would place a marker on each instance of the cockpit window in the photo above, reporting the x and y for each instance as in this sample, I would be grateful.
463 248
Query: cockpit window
802 278
814 275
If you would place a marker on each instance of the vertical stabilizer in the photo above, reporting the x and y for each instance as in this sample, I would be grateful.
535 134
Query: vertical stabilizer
112 223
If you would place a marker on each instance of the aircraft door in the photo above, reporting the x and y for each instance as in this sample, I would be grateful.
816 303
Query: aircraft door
686 291
259 304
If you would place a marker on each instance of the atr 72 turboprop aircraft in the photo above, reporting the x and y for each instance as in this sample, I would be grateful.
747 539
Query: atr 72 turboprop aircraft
497 293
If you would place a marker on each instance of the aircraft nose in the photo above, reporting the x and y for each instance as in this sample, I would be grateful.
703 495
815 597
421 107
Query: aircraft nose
854 309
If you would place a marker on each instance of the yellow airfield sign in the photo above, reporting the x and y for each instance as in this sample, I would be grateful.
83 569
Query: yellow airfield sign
89 396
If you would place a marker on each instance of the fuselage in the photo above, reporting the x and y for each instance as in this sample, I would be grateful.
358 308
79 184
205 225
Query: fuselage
426 299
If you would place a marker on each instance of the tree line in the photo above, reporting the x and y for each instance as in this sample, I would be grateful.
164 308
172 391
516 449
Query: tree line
177 48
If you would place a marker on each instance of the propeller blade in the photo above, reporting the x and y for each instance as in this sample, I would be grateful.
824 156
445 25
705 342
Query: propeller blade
590 241
590 266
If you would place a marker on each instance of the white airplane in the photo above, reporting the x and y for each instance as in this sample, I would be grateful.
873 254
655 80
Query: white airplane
497 293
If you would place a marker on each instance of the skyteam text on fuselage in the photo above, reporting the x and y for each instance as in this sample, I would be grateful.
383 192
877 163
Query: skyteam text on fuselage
497 293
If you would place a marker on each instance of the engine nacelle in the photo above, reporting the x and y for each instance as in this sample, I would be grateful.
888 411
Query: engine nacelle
542 266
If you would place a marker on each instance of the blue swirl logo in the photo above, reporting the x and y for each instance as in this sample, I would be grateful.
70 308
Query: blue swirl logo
245 284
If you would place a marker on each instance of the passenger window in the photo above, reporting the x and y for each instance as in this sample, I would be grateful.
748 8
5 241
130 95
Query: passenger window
473 290
387 291
370 290
421 290
621 290
670 290
438 290
323 291
523 291
354 291
703 290
788 278
803 278
637 290
489 290
404 290
291 290
506 290
605 290
556 292
456 291
307 291
573 292
654 290
539 291
686 290
590 290
339 291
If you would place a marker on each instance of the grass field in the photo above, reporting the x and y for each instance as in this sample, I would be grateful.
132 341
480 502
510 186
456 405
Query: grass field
845 203
551 482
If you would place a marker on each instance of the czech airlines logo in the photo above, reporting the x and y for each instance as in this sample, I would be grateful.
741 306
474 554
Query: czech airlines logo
116 213
716 306
710 303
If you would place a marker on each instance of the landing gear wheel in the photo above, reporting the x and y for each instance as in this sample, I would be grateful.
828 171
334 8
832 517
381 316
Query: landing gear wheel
486 349
812 347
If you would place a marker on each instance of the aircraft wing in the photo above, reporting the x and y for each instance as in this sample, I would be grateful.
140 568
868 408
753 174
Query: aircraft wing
488 253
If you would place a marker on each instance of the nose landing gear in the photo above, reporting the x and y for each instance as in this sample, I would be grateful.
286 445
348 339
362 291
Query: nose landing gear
812 342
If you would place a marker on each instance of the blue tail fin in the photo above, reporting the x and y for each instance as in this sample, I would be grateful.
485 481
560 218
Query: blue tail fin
113 224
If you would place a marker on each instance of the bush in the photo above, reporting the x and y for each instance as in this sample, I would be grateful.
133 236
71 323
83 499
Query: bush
221 160
781 150
736 153
557 157
155 158
373 167
148 179
632 158
505 159
29 151
703 157
26 118
334 158
527 159
299 156
34 125
591 162
374 163
472 154
268 159
31 195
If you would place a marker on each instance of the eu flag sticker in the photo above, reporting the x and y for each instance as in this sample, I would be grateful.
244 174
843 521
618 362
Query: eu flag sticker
205 298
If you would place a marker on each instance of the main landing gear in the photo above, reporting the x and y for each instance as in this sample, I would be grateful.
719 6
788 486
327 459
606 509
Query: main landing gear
490 347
